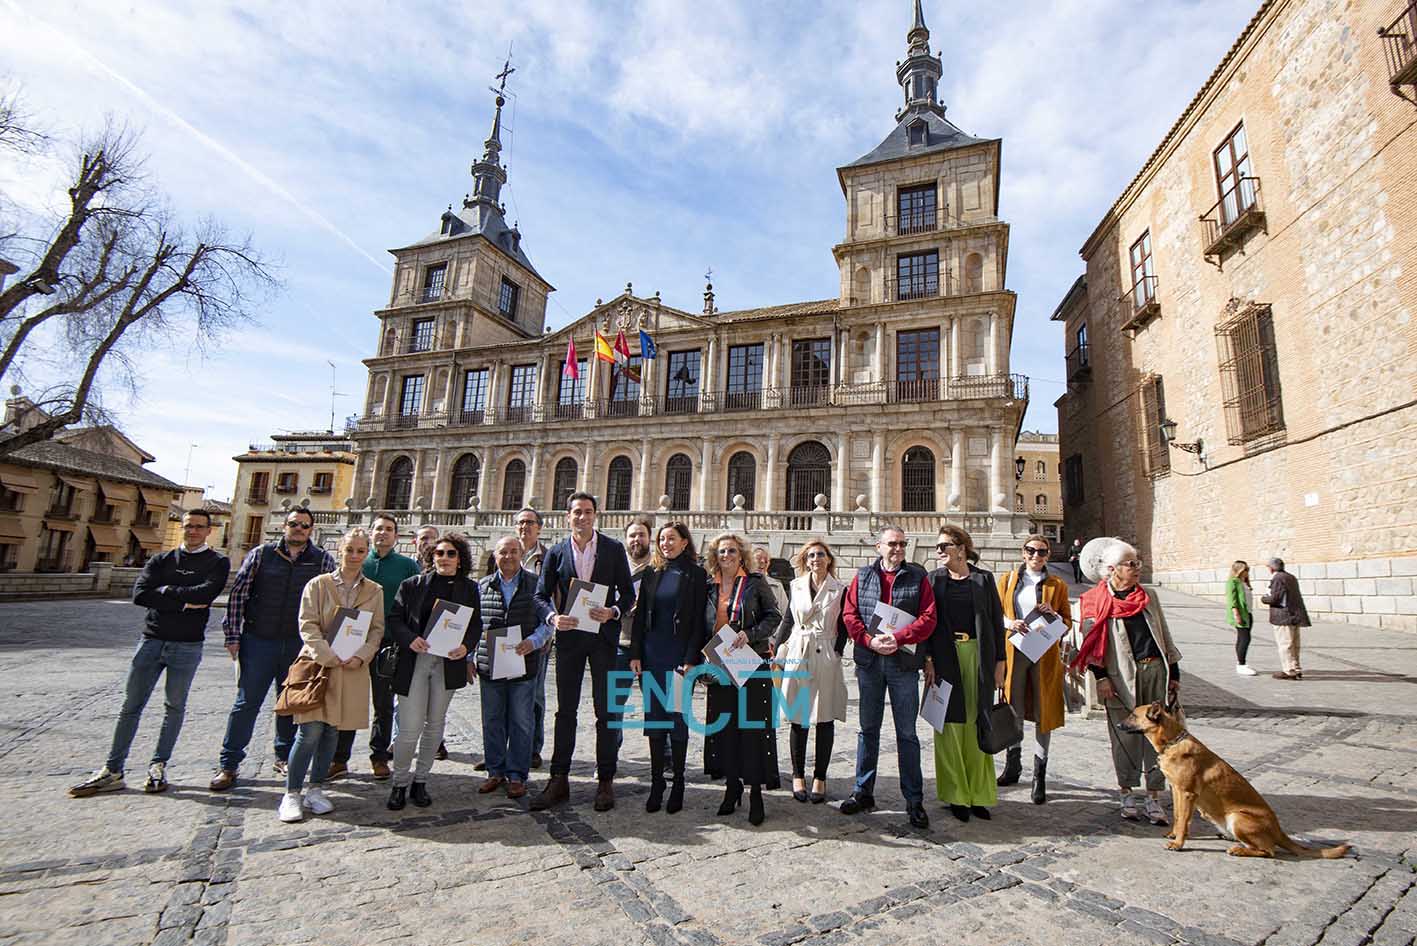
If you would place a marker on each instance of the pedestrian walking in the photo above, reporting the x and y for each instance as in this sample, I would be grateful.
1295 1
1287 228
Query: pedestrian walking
1287 615
1237 612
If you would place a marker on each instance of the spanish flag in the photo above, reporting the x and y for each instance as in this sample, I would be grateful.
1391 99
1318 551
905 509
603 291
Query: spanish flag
603 351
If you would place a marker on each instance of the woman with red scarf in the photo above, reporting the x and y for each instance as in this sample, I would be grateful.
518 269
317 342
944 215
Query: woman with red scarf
1127 648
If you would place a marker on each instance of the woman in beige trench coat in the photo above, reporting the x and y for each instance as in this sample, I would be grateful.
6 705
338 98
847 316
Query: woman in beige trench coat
346 704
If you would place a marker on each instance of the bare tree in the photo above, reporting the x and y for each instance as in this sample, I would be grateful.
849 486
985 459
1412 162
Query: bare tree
114 272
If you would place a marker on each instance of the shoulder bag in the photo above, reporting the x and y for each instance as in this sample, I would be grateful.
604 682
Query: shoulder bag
304 688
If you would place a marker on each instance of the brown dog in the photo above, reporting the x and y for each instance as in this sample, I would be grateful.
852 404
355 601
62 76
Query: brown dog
1200 779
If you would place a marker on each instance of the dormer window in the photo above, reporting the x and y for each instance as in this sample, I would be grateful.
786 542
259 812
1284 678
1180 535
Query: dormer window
919 133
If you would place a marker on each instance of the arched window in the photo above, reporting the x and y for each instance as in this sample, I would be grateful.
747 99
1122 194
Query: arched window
809 472
563 483
1041 501
678 476
513 485
467 473
398 489
917 480
742 478
617 484
1041 469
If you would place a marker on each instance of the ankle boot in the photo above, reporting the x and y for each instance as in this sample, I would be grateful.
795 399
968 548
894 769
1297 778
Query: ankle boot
656 778
1040 774
1013 766
398 797
732 795
755 806
677 751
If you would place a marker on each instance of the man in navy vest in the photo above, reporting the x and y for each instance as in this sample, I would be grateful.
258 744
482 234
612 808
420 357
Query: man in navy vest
590 556
883 664
262 626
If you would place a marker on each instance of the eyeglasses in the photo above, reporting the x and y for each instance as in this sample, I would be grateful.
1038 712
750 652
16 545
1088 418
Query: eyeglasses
1033 550
894 545
1130 563
946 546
445 553
295 524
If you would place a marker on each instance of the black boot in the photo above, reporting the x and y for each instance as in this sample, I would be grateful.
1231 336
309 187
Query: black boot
732 795
656 774
398 797
1040 774
755 806
418 794
678 751
1013 766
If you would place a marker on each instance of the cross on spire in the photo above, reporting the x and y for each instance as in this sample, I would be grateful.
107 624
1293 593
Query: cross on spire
507 69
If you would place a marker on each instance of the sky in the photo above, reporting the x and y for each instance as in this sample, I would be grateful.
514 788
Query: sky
644 143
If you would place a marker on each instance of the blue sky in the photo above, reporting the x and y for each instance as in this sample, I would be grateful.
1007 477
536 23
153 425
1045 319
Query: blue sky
645 143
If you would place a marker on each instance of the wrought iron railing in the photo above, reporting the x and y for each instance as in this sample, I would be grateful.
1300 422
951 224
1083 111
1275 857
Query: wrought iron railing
915 287
1238 213
919 221
1079 363
1400 47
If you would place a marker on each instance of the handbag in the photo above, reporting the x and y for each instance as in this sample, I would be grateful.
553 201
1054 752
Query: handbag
1005 729
304 688
386 662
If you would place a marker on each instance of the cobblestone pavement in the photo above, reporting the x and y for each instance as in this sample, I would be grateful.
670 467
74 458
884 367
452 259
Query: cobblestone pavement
1335 755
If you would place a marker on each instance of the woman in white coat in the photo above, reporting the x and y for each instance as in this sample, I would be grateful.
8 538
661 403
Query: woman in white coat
808 646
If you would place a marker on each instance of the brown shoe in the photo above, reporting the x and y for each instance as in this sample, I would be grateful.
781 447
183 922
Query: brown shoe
605 795
380 769
491 785
337 770
223 780
1284 675
557 790
515 789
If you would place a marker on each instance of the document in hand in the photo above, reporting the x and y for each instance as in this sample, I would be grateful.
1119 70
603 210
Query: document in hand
347 632
739 664
934 704
888 620
583 596
502 643
1042 632
447 623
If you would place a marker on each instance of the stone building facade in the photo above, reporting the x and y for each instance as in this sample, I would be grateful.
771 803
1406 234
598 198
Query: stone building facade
314 469
1038 484
1241 347
893 398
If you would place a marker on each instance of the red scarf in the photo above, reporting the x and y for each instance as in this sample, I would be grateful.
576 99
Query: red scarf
1102 606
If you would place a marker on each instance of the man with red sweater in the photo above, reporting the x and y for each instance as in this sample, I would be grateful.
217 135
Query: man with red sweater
888 663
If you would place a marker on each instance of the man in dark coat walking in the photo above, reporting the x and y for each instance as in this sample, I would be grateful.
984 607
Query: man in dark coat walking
1287 614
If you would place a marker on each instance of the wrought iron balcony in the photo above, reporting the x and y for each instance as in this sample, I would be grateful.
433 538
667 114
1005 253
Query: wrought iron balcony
1235 216
920 221
1142 304
1400 50
430 294
1079 364
914 287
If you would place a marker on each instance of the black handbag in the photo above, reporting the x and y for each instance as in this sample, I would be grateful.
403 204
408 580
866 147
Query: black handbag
386 661
1005 729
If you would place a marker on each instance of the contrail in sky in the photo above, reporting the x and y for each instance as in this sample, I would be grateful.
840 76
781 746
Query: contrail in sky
250 170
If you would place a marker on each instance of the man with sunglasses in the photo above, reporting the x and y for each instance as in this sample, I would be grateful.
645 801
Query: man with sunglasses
263 635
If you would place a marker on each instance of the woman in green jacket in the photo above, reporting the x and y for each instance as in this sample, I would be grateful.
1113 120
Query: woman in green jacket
1237 604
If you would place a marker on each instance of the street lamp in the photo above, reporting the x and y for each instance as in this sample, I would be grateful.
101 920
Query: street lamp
1019 464
1168 436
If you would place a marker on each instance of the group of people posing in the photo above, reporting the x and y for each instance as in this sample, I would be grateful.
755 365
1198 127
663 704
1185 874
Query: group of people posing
660 611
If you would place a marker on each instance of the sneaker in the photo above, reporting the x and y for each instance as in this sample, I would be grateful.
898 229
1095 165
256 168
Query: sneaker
101 781
290 810
1130 809
1155 813
318 802
1245 670
157 779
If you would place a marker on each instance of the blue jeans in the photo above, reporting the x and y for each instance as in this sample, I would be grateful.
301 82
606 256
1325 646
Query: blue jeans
507 707
263 663
874 682
617 710
180 660
313 741
538 707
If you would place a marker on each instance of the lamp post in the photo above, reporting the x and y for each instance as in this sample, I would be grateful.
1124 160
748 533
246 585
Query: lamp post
1019 464
1168 436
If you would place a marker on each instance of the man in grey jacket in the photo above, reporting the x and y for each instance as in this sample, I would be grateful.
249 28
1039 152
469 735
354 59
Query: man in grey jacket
1287 614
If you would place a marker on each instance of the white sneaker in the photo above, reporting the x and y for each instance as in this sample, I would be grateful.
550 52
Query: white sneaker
1155 813
318 802
1245 671
290 808
1130 809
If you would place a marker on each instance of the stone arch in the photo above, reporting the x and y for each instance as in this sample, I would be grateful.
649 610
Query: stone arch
398 483
917 479
809 472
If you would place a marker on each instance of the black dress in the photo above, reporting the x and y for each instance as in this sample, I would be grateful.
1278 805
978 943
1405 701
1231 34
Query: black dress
749 754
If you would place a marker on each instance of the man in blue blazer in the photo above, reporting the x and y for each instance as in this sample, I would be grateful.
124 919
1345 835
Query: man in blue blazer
590 556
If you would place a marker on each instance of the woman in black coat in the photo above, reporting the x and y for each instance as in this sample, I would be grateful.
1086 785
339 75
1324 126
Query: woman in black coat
741 600
967 651
668 635
425 682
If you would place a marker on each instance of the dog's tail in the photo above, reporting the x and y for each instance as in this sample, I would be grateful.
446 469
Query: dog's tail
1300 850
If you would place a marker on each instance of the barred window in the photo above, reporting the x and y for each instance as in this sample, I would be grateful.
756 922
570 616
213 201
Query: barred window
563 482
917 480
617 484
1249 373
678 478
513 484
742 478
1156 455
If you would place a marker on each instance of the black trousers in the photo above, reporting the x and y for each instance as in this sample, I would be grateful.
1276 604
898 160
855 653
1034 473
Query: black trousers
826 735
1242 643
382 728
574 651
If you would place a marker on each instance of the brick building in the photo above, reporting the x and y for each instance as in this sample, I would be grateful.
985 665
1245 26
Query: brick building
1240 349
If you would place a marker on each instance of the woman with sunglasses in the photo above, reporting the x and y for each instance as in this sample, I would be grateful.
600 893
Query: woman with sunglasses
1035 690
1127 648
425 682
744 750
967 651
808 644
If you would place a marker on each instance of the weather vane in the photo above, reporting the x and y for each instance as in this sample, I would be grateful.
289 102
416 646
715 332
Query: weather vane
507 69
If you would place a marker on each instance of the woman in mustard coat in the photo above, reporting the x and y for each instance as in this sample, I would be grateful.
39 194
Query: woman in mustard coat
1035 690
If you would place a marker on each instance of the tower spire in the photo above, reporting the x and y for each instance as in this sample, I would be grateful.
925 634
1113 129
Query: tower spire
919 74
488 175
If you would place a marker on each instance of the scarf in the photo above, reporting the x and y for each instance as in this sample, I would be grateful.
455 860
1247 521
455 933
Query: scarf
1102 606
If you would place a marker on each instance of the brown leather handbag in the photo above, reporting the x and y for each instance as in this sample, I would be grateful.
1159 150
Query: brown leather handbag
304 688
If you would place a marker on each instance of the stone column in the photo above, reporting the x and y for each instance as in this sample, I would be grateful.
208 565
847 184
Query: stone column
956 499
588 472
533 478
944 364
441 481
449 391
644 500
880 369
992 356
391 394
418 490
592 385
842 474
708 372
495 403
767 495
878 471
843 372
954 347
1001 346
705 462
998 498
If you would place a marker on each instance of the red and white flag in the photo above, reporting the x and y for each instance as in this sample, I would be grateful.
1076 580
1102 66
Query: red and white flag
572 368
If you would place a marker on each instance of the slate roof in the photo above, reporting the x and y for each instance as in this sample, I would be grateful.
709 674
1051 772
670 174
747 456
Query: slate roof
485 221
62 458
943 136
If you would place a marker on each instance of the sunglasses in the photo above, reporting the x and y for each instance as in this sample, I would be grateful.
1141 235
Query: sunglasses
295 524
894 545
946 546
817 555
727 551
1131 563
1032 550
445 553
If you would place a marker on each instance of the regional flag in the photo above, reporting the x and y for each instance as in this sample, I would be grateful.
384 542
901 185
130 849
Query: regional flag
571 369
622 359
647 346
603 351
